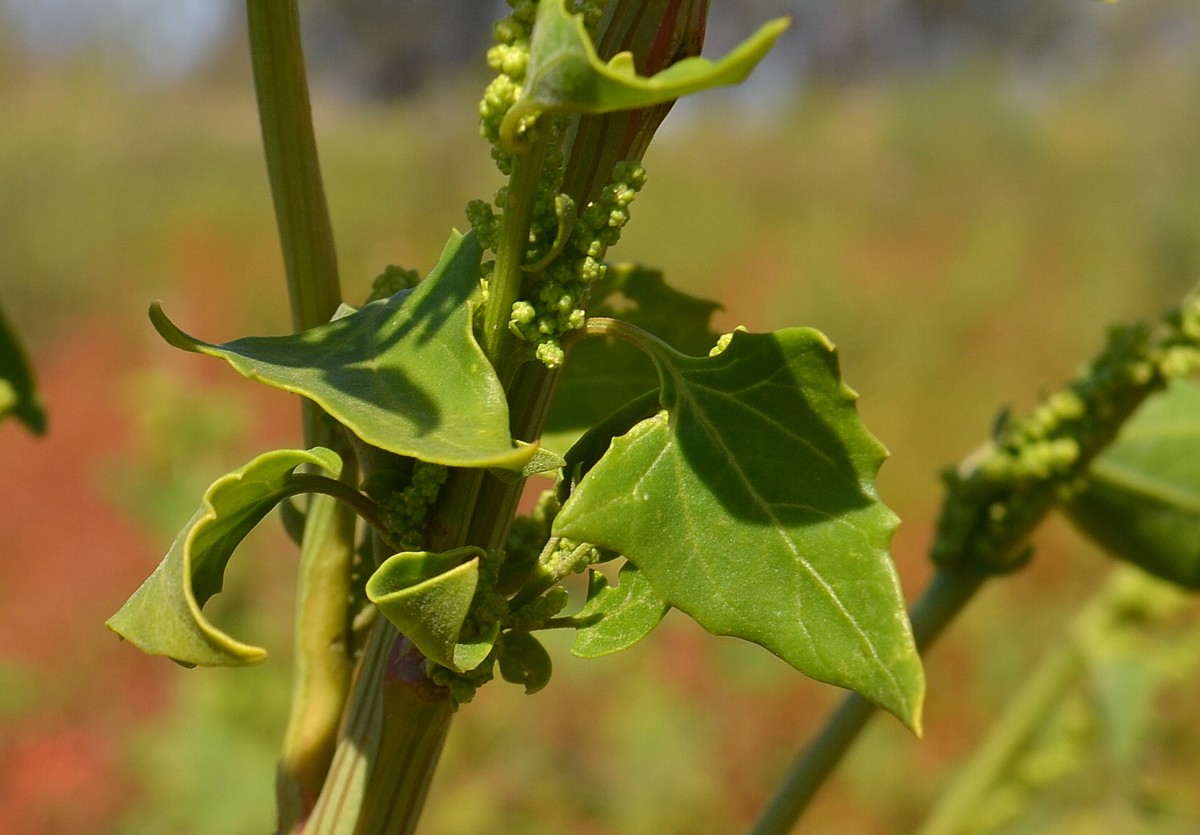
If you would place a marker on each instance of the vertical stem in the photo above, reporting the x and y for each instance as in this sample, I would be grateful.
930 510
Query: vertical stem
943 599
504 286
321 660
292 165
1042 693
322 663
395 730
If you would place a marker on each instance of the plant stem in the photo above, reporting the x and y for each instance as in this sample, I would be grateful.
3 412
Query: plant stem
285 113
396 727
361 504
322 666
322 661
1040 695
943 599
504 286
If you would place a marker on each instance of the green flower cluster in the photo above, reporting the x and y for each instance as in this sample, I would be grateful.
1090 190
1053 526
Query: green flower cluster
1035 461
509 58
556 304
391 281
405 509
565 251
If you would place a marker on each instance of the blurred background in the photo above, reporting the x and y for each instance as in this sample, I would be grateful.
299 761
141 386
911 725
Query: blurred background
960 194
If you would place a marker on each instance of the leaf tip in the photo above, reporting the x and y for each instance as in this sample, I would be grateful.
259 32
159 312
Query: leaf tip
170 333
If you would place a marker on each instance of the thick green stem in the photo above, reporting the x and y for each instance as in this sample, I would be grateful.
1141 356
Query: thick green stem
395 729
291 152
944 598
322 661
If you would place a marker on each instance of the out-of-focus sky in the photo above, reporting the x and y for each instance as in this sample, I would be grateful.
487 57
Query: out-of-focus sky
362 41
165 37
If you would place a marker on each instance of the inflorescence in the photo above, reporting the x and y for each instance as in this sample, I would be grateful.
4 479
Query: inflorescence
565 252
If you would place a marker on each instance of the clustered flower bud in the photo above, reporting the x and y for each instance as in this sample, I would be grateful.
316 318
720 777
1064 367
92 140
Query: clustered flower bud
406 511
391 281
557 303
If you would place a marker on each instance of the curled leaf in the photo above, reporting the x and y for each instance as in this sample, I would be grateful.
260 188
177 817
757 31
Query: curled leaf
565 75
525 661
428 596
403 374
163 617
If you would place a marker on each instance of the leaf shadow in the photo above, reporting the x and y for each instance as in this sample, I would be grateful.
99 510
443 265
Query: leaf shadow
350 355
770 450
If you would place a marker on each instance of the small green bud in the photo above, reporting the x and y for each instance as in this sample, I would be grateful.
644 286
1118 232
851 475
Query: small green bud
550 353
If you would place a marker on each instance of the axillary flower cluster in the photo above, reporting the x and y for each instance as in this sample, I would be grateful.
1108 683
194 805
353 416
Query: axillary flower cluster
566 246
1038 459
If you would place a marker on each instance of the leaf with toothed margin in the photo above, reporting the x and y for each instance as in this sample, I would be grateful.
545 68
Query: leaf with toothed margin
403 374
749 504
565 75
163 616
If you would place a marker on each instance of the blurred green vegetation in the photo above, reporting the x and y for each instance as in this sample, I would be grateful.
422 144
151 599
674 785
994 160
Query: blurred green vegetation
963 238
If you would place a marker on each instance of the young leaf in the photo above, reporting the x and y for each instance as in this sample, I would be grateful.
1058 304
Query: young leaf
602 372
18 397
1141 497
623 614
403 374
749 504
427 596
525 661
163 616
565 75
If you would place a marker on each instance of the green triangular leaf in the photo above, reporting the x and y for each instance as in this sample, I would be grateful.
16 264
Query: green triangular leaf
403 374
428 596
18 396
1141 498
604 372
163 616
565 75
750 505
619 616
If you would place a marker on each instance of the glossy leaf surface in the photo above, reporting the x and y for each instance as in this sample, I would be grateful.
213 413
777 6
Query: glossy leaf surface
18 397
565 74
620 615
749 504
427 597
404 374
1141 498
163 617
